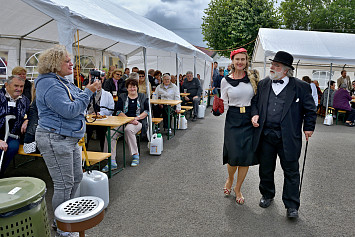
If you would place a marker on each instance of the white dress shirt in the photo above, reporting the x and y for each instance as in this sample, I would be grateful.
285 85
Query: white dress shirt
278 87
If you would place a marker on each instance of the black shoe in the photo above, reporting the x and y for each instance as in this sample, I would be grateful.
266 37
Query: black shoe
194 118
292 213
265 202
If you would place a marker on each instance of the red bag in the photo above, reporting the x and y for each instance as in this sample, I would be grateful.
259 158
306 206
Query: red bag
218 106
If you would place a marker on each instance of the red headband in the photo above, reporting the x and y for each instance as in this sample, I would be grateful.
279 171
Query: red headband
241 50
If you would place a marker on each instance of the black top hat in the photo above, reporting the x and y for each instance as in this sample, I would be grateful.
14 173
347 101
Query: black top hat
284 58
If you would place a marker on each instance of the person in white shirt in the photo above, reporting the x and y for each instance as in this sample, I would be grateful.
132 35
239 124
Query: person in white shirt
101 103
237 89
167 91
313 87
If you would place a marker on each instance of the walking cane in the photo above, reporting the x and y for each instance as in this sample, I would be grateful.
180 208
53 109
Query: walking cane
304 162
7 134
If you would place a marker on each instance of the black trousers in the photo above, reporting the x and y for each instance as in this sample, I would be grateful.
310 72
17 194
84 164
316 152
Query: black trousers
270 146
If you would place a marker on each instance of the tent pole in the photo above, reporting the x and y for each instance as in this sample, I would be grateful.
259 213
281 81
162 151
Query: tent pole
330 78
297 67
177 72
150 133
264 66
195 75
19 53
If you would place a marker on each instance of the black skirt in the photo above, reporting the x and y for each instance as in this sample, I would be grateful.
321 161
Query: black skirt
238 138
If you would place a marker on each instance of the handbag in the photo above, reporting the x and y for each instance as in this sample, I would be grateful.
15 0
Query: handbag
218 106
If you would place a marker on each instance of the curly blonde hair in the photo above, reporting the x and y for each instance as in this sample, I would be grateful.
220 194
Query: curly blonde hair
51 59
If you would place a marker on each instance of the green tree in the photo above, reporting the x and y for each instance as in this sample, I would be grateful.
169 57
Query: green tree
229 24
321 15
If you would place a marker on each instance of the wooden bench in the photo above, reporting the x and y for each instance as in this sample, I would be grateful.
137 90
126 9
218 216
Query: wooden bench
94 157
188 108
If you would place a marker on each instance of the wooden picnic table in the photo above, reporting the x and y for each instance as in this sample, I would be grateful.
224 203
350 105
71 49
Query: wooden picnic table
170 103
112 122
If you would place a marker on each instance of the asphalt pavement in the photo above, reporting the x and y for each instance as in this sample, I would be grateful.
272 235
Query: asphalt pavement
179 193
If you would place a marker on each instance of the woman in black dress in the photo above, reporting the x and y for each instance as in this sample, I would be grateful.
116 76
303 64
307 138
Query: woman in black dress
237 90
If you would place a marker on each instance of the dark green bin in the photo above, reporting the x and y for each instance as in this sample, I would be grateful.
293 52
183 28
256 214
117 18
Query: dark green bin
23 210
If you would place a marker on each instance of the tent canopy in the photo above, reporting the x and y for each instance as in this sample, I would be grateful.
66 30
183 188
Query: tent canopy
103 26
307 47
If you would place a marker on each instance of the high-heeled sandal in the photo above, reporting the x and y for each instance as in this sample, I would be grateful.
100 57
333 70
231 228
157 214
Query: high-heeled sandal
238 200
226 191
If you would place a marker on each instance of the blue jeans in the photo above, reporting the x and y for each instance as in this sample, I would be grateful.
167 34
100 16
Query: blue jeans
12 149
63 159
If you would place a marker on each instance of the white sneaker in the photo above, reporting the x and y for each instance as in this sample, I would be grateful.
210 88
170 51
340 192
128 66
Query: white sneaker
61 233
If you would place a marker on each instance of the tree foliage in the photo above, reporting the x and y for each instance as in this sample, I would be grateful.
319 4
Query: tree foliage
229 24
320 15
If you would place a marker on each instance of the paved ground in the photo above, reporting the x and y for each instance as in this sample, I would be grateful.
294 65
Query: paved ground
180 192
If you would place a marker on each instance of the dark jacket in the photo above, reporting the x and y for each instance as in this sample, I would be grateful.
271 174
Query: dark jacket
27 89
22 107
193 87
110 86
299 109
32 123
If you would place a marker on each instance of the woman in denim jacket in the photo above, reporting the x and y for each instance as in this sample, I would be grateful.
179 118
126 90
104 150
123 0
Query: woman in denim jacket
61 124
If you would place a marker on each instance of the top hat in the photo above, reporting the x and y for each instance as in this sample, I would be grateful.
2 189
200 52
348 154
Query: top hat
284 58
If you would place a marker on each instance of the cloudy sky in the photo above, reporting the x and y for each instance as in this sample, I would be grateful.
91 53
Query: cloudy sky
184 17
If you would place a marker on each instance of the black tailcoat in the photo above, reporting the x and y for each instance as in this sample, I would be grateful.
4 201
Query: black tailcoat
299 108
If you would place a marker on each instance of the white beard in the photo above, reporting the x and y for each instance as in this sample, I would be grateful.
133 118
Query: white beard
275 75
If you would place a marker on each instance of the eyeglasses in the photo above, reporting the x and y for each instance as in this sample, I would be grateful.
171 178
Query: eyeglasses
141 76
118 74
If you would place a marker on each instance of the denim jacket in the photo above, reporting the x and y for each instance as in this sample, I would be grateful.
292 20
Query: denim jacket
58 113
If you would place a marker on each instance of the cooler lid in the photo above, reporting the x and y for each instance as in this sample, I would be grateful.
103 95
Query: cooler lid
17 192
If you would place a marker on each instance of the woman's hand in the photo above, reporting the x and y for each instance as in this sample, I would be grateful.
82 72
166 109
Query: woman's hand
3 145
24 126
134 122
93 86
255 120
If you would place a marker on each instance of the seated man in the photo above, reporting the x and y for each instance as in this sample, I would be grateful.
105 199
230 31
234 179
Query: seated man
192 85
12 103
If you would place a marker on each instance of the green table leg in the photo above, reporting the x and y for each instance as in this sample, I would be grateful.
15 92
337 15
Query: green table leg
109 150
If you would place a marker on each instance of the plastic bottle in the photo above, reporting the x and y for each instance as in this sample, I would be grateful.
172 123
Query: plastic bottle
160 138
155 145
95 184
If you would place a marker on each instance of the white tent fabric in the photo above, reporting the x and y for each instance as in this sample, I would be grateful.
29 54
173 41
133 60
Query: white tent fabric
310 47
103 26
315 53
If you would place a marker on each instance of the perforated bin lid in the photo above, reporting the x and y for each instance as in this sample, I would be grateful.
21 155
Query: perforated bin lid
17 192
79 209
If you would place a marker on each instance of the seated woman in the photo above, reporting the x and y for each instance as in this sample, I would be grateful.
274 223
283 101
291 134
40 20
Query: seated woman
115 83
166 91
341 101
157 79
101 103
135 105
142 86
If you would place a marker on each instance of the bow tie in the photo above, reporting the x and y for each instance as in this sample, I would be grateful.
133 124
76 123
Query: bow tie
278 81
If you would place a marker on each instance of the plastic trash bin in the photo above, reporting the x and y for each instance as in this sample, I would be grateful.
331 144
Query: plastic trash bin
23 210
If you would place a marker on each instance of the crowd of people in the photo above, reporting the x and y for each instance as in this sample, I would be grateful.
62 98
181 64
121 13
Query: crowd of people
49 115
264 118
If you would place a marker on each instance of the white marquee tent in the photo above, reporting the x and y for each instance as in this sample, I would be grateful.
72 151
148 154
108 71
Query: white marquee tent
311 51
105 29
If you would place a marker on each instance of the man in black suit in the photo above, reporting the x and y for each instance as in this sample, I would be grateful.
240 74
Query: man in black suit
280 107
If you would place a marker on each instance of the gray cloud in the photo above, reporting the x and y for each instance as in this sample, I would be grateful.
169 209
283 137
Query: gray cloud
185 20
